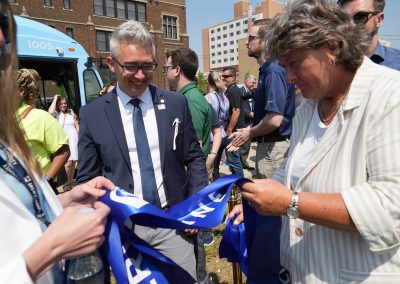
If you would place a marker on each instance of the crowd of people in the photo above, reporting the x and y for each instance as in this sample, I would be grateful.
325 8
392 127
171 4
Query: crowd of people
326 174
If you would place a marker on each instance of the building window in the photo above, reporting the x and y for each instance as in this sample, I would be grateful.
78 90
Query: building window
231 26
231 42
212 39
232 51
170 28
238 32
238 24
219 29
219 60
219 52
225 52
213 46
122 9
225 44
213 62
212 31
225 36
225 59
245 31
232 58
244 22
218 37
218 45
224 28
103 40
70 32
67 4
48 3
212 54
231 34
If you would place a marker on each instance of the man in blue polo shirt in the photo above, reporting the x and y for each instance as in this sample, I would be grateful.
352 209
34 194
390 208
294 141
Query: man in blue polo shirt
273 113
370 14
273 110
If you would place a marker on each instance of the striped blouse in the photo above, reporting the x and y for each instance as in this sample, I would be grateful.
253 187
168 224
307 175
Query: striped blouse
359 157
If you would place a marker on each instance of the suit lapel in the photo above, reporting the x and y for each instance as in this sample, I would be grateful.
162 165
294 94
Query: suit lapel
161 117
114 116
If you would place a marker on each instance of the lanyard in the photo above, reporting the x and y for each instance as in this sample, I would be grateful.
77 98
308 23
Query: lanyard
14 168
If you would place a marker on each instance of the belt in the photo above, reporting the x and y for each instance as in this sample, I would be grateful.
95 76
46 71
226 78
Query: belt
266 138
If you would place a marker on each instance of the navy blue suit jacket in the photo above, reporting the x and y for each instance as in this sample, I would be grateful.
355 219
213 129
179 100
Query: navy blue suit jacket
103 149
246 109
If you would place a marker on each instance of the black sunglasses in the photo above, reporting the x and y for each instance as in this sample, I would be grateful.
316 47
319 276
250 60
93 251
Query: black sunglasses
362 17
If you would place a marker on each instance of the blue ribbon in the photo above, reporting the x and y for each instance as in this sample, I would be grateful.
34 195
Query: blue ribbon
134 261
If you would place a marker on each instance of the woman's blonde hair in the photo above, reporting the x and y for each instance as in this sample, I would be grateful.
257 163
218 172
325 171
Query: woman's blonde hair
10 133
27 83
215 81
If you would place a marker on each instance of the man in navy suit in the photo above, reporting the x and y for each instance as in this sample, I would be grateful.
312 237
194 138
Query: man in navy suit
110 140
248 92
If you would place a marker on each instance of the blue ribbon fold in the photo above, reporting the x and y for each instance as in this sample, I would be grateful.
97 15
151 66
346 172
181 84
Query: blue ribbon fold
134 261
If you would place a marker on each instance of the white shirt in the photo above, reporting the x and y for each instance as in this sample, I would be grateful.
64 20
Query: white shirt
150 124
306 148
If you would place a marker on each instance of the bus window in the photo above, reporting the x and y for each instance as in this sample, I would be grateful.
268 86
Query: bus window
92 85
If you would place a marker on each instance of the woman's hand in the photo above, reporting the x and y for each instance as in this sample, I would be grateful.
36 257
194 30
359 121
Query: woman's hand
237 210
267 196
74 233
86 194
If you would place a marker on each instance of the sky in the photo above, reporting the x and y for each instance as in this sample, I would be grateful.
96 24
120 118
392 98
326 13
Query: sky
204 13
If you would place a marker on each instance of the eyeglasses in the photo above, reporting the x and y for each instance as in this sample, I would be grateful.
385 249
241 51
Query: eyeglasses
132 69
362 17
166 68
251 38
226 76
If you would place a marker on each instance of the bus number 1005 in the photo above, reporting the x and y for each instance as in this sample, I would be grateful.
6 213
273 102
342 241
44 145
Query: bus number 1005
34 44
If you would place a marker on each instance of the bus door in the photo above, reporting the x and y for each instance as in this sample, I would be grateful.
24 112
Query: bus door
57 77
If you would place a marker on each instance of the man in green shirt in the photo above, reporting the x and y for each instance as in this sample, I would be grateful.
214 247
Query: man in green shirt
180 71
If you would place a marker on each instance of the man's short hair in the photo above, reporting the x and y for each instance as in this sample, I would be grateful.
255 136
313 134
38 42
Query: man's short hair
232 71
131 32
379 5
249 77
187 61
263 25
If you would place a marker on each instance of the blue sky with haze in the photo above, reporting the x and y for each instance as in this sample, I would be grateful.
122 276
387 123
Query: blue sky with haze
205 13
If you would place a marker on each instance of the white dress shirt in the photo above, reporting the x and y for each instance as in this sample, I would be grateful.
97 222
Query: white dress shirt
150 124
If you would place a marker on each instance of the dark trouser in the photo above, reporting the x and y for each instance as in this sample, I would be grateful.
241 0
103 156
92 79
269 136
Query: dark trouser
233 159
200 254
244 152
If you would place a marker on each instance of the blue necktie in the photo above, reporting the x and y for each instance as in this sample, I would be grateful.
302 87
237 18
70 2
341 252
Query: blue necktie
149 186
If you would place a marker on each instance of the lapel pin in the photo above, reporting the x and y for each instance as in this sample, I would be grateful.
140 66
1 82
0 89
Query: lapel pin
161 105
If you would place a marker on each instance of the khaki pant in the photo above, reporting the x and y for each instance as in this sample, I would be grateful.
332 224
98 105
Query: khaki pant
269 156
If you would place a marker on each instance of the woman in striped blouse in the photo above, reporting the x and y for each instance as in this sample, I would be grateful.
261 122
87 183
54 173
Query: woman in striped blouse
340 183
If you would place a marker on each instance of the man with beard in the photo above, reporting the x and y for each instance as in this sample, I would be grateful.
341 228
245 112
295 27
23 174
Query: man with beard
273 110
370 14
272 127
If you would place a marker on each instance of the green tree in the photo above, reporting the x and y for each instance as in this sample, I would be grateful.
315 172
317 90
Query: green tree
201 83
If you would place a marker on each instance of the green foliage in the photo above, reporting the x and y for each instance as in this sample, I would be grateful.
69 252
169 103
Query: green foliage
201 83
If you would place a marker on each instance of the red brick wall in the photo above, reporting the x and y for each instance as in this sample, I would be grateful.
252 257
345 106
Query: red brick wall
85 32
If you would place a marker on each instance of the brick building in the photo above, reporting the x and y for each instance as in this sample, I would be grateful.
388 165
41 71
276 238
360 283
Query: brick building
91 22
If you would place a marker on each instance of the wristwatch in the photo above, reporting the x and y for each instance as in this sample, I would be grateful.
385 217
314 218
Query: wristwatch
49 179
293 210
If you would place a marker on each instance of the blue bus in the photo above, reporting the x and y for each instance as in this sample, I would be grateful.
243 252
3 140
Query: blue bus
63 64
